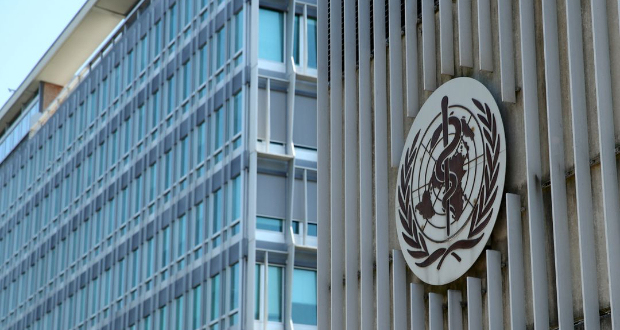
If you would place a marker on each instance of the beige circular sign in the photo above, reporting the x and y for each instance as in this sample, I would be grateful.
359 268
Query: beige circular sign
450 181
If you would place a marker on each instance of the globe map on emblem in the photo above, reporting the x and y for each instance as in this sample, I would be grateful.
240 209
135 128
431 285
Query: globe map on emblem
450 181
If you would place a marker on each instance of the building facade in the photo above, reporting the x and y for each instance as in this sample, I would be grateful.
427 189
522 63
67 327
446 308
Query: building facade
551 261
171 182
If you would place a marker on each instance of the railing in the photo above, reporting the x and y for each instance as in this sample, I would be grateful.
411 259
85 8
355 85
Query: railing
19 130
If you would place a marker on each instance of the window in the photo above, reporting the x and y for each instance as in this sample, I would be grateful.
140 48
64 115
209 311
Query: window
274 296
153 182
238 30
165 239
181 233
171 96
184 158
271 35
221 52
217 211
304 41
304 296
168 170
312 43
218 140
312 229
179 316
155 109
270 224
157 39
143 53
141 124
187 79
196 312
234 287
172 23
129 65
203 65
188 12
198 224
215 297
236 198
238 115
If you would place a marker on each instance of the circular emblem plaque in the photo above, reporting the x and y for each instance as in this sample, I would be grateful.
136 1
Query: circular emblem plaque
450 181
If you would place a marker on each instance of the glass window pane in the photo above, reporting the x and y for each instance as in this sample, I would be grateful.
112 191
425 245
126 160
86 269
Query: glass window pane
269 224
197 311
221 47
234 286
238 30
236 205
312 43
271 35
274 296
215 297
312 229
304 296
296 40
257 286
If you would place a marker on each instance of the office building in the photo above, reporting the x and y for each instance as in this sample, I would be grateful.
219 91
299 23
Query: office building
158 171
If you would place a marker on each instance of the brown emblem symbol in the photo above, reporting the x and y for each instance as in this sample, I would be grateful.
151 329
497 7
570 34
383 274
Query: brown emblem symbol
450 179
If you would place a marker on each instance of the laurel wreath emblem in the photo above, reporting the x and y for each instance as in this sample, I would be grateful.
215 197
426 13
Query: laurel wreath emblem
483 210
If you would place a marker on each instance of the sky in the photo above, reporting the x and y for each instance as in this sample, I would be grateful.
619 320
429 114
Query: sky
27 29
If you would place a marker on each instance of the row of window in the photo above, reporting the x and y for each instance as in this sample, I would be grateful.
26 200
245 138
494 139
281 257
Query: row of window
202 228
212 303
121 80
272 33
269 289
175 166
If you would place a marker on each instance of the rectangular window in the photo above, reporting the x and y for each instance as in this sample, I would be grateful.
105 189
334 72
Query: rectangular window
221 47
172 23
257 294
129 75
143 53
234 286
163 318
184 158
204 64
197 308
141 124
304 296
104 93
238 30
138 198
117 81
165 242
270 224
168 171
217 211
187 79
219 129
215 297
271 35
155 109
199 224
312 43
179 313
236 198
296 37
157 39
200 144
171 96
188 12
92 105
312 229
181 233
274 296
153 182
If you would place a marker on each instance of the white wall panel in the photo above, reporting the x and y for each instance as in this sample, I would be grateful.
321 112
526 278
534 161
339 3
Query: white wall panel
485 40
506 50
516 280
396 83
581 153
411 55
428 45
446 38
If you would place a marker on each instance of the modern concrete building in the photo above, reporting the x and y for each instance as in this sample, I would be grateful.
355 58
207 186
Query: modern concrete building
552 259
171 182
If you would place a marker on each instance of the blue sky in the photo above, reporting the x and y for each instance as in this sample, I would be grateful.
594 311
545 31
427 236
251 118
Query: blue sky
27 29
